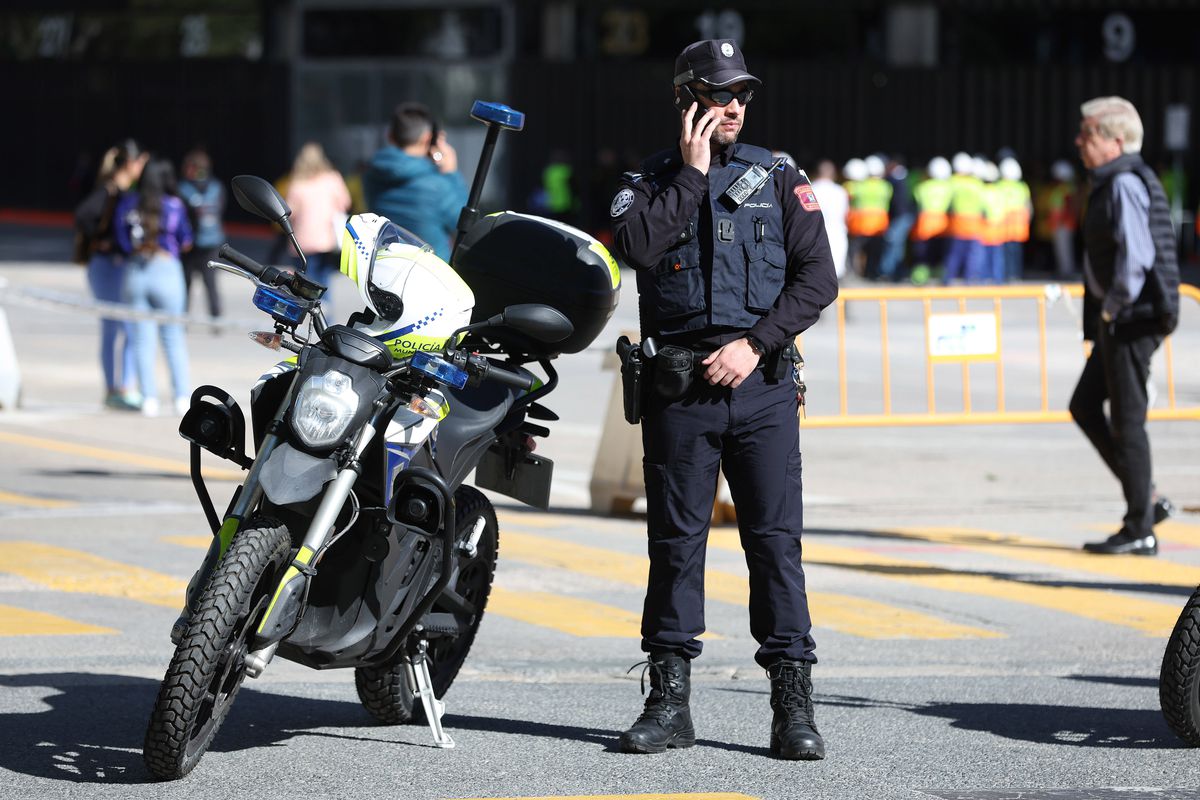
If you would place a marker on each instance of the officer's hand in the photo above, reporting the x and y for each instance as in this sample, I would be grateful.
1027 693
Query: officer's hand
730 365
694 139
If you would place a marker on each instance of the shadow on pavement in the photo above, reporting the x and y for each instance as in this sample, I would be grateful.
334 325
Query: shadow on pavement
1117 680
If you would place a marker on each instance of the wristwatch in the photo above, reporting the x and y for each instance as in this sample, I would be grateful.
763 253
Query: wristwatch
756 346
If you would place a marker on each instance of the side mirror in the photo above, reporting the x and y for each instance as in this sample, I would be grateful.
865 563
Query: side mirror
541 322
260 198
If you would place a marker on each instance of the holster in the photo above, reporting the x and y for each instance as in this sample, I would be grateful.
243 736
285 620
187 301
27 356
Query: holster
672 370
777 365
632 378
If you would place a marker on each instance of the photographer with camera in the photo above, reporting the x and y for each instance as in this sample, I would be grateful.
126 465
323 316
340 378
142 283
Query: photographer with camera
732 263
413 180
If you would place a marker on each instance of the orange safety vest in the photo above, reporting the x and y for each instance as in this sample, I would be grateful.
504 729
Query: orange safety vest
995 215
966 208
933 206
869 201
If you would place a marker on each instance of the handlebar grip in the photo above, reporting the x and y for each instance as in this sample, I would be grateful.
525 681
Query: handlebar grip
242 260
501 375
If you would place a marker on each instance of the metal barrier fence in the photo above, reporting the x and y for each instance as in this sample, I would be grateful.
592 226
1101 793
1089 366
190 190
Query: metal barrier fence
967 336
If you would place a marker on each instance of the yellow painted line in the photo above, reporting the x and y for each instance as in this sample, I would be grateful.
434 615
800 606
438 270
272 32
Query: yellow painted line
1169 527
700 796
201 542
571 615
14 499
1152 618
22 622
117 456
846 613
1135 569
64 570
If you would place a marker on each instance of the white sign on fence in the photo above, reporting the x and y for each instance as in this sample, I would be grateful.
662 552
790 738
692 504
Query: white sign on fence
963 337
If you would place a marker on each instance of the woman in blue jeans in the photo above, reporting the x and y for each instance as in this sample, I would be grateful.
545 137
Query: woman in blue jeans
152 227
95 246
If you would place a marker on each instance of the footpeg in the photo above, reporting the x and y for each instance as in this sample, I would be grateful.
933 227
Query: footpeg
417 667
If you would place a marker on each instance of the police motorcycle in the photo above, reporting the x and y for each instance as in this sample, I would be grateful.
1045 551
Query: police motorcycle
1179 679
354 541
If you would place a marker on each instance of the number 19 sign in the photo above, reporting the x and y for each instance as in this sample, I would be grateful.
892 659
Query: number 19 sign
963 337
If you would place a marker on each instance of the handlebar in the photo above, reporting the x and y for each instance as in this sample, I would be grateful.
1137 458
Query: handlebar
228 253
501 375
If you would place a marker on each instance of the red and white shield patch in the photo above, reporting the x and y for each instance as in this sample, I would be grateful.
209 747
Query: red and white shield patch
806 196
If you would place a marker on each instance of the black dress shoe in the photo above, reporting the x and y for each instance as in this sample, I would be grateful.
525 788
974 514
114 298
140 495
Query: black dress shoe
1125 543
1163 509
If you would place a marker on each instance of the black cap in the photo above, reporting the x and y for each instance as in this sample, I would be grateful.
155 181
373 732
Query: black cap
715 62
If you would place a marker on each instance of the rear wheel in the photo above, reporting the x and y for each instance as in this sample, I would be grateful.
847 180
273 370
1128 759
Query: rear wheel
207 669
384 690
1179 681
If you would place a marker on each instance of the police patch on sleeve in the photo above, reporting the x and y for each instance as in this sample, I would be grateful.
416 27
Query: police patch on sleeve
621 203
805 194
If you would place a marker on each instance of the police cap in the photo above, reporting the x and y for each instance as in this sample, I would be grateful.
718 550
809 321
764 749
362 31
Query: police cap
714 62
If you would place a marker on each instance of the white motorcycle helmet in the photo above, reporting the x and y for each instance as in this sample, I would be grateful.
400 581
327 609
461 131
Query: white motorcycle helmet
417 299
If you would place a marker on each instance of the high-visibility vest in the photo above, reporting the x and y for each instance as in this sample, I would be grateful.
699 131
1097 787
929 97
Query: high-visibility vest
1017 204
869 201
995 214
966 207
933 206
1061 208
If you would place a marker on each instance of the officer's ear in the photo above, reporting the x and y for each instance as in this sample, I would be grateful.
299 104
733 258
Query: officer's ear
684 97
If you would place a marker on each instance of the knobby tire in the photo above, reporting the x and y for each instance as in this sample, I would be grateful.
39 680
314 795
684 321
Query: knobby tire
1179 681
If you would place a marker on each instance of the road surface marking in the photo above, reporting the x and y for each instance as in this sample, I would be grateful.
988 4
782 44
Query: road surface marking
168 465
571 615
22 622
701 796
1152 618
14 499
78 572
848 614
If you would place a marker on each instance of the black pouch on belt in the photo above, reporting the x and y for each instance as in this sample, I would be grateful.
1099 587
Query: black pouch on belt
673 371
632 376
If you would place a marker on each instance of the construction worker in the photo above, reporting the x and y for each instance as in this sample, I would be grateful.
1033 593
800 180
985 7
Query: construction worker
932 196
1018 208
964 253
872 199
995 226
1062 217
854 172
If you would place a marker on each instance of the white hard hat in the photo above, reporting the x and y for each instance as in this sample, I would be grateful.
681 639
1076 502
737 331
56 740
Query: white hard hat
939 168
418 300
989 172
1010 170
855 170
875 166
963 164
979 166
1062 170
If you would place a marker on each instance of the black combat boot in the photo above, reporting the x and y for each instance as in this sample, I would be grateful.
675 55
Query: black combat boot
793 730
666 721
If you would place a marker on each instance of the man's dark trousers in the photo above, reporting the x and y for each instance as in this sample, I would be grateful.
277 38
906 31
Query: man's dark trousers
1117 371
753 431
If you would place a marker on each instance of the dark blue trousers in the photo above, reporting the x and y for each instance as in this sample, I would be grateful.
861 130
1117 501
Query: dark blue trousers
753 434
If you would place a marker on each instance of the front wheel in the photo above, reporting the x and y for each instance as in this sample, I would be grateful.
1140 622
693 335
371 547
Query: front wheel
384 690
208 666
1179 681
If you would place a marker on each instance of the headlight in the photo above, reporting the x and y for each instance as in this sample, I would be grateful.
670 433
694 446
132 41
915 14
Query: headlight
324 408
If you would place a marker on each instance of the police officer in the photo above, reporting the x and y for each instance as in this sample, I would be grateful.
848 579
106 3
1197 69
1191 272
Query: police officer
732 278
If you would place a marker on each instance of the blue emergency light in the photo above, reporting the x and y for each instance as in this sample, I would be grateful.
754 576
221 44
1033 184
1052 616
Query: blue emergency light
439 369
283 306
498 114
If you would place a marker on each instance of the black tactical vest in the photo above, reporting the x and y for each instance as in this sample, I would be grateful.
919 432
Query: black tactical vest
686 291
1156 309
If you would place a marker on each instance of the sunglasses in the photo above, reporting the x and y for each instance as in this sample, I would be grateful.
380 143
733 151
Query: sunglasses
723 97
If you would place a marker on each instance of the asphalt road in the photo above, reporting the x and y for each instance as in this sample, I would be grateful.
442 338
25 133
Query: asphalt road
967 649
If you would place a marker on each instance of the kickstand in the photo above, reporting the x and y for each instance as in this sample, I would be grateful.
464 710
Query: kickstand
416 666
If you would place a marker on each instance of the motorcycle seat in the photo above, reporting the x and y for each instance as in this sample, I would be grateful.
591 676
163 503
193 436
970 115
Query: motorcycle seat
470 425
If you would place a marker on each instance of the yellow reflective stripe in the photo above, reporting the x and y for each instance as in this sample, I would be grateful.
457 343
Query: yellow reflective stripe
226 534
613 270
349 262
23 622
292 572
305 555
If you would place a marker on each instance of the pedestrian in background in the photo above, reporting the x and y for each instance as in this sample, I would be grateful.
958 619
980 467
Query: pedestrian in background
319 201
152 228
932 197
1018 208
902 213
835 204
1131 302
872 198
995 225
964 249
1062 217
205 200
95 245
414 180
854 172
728 281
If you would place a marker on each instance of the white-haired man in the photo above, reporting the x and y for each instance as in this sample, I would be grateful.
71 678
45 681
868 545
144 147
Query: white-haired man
1131 303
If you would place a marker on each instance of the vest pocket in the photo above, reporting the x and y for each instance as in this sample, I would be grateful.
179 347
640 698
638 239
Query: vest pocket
765 266
678 286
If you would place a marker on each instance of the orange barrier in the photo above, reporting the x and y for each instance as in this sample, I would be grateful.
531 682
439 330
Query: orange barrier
956 347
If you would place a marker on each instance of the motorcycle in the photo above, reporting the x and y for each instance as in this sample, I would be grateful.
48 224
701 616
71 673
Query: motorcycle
354 541
1179 680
